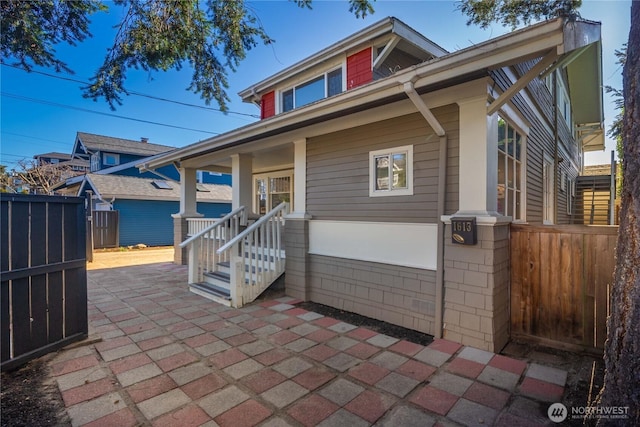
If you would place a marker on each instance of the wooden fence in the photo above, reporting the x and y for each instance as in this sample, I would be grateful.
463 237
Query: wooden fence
43 285
560 283
106 231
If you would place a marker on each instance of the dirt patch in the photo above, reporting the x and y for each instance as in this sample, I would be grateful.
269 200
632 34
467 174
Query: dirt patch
367 322
30 398
585 373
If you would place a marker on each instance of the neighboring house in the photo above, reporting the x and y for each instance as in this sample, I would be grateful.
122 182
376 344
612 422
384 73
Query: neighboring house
145 205
382 144
106 153
77 166
145 199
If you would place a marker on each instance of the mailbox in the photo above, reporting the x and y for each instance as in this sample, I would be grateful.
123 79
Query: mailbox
463 230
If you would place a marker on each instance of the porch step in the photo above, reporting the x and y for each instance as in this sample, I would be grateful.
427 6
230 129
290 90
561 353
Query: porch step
212 292
219 279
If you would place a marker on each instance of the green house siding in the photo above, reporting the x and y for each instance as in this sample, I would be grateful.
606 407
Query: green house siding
150 221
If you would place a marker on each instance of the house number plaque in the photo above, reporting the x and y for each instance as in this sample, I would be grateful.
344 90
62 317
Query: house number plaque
463 231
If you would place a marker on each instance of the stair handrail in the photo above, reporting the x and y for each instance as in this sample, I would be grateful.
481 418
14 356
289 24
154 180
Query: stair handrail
228 216
253 227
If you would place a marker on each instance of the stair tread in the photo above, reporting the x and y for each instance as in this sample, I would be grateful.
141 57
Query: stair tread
220 275
213 289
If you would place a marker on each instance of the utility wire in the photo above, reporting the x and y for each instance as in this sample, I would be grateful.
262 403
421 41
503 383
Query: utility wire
131 92
35 137
86 110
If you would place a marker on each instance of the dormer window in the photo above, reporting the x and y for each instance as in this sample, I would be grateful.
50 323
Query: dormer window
324 86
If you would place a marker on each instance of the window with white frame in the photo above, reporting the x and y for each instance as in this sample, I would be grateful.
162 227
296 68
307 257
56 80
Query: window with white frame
323 86
95 162
391 172
510 183
110 159
564 104
571 193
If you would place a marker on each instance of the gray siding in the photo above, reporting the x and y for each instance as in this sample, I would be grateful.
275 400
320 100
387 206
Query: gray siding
541 141
400 295
338 170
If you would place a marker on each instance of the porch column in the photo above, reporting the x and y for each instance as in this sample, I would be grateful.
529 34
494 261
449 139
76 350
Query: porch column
296 237
188 209
242 181
476 277
299 209
478 158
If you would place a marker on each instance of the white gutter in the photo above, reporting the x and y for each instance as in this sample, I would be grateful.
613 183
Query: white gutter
524 44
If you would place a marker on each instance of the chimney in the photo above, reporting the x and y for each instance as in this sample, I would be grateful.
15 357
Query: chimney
144 139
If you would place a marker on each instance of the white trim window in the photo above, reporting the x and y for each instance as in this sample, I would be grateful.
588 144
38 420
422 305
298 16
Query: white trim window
510 170
391 172
571 193
110 159
320 87
95 162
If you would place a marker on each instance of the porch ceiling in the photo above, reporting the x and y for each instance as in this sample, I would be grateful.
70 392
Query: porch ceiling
264 159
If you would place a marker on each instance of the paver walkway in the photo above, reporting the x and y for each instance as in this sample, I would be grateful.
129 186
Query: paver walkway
172 358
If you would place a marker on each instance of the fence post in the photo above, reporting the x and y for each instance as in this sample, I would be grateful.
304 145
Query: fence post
89 206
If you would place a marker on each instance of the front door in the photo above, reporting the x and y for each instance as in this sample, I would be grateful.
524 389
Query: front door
271 189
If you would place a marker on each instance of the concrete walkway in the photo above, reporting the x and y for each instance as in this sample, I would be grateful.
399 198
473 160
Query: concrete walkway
171 358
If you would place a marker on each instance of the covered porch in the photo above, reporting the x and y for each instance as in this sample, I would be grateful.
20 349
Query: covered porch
233 258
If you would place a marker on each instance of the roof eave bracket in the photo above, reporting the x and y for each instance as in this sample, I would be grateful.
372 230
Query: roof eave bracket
424 110
391 44
523 81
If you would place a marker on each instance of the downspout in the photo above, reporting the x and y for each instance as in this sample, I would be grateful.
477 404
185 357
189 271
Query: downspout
442 185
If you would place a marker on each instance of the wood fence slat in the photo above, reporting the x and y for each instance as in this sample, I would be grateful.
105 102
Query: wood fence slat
39 315
516 302
4 236
5 333
563 279
575 278
38 226
75 294
56 326
19 235
20 320
54 233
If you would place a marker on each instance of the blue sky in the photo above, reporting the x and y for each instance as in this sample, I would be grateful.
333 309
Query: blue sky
41 114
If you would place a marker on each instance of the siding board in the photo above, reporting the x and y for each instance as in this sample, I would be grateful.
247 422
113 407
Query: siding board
338 170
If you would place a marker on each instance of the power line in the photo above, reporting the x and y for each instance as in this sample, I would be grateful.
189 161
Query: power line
86 110
144 95
35 137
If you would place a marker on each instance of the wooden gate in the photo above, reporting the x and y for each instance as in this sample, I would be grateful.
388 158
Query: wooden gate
106 229
560 283
43 275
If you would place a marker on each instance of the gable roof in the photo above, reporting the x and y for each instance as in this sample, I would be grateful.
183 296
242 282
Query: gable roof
108 187
94 143
555 38
53 155
413 41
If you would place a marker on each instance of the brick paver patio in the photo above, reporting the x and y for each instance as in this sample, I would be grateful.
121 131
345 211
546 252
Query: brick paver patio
171 358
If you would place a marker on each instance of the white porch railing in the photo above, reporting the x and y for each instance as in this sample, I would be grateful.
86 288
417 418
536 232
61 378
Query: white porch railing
257 256
196 225
203 245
